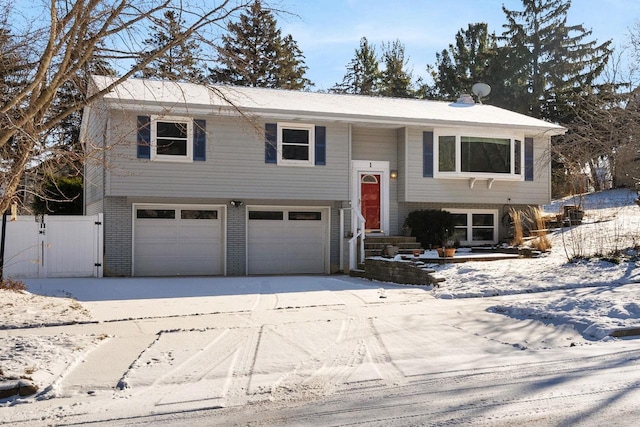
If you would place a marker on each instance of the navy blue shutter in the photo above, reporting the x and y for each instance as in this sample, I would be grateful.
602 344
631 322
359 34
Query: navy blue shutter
427 154
270 143
144 137
200 140
321 145
528 159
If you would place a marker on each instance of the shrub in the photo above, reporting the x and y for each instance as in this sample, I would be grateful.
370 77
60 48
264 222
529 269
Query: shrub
541 242
12 285
431 227
517 218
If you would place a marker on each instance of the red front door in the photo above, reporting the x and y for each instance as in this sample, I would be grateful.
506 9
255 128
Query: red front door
370 200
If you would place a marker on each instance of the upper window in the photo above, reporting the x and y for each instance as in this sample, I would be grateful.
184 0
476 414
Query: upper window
472 156
296 144
171 139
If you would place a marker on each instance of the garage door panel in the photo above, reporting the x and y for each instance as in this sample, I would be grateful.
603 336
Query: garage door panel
267 250
156 266
293 242
312 264
265 230
177 246
199 228
304 250
196 266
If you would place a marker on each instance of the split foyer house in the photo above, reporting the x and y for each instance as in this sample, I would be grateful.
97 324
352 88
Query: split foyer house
221 180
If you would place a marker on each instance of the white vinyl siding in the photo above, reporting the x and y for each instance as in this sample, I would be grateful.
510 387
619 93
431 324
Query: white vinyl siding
435 190
235 167
95 120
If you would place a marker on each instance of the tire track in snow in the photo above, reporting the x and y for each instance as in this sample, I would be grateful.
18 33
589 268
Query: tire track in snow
585 390
357 357
203 367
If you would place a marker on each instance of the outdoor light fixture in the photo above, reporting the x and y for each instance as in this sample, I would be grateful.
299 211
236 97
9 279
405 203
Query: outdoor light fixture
236 203
393 174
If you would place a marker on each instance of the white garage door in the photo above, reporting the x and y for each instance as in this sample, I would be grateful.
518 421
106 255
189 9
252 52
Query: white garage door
287 241
173 241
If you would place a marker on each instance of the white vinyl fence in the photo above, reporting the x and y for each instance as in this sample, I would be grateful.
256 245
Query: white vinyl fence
53 246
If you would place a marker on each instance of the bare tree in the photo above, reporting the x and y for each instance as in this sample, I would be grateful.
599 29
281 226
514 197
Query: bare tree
44 50
603 136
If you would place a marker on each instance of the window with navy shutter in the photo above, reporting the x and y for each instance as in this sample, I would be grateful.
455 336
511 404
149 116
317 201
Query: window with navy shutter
427 154
199 140
295 144
528 159
321 145
144 137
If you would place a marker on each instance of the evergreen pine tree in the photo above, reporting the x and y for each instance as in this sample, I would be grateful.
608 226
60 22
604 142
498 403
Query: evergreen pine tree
396 80
180 62
290 66
254 53
470 60
557 60
363 73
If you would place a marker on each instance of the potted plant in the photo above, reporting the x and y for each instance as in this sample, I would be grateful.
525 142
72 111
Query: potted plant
449 244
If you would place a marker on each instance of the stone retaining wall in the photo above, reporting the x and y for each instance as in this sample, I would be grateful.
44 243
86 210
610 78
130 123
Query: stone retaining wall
403 272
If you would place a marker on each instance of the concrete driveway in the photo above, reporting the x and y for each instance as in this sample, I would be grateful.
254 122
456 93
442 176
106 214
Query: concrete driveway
183 344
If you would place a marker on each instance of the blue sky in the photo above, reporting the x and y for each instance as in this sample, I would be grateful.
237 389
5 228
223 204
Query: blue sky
328 31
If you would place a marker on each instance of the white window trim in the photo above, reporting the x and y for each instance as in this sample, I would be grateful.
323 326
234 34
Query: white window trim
188 158
469 213
458 174
312 144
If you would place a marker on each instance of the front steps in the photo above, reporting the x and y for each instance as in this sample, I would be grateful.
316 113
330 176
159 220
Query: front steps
373 245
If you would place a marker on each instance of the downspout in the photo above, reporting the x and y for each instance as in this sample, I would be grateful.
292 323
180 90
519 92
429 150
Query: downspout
342 219
341 266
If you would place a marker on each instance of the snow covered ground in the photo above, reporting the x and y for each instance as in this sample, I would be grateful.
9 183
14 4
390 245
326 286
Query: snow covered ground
176 345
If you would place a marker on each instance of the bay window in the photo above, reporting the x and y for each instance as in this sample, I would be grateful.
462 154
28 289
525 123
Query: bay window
464 156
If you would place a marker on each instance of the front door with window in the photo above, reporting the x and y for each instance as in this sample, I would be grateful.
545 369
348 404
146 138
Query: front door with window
370 200
370 195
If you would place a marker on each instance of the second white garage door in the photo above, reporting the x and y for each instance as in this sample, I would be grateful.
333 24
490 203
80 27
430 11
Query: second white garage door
287 240
178 240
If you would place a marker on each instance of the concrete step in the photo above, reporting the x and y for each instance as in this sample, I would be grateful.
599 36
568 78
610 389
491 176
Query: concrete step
377 245
373 245
378 251
389 240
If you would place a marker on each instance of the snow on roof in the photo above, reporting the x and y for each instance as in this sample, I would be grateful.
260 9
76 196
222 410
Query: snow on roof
352 108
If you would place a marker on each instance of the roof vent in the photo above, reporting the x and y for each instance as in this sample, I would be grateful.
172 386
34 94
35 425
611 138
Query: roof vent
465 98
